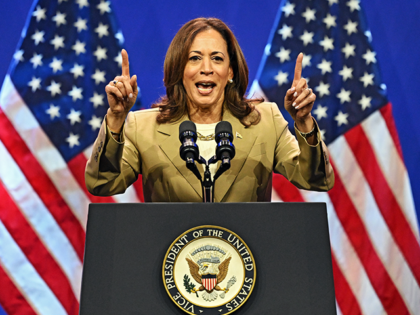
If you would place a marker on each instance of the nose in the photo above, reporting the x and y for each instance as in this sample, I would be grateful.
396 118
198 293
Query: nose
206 67
206 72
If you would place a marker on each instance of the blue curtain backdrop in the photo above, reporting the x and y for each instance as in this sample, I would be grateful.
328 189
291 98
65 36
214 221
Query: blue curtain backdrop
149 26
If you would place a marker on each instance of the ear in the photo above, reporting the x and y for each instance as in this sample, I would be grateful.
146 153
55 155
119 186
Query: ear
230 73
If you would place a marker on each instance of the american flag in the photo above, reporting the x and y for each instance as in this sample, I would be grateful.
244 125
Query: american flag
52 103
373 226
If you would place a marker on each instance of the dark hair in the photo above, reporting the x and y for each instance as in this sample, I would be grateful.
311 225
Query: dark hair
174 105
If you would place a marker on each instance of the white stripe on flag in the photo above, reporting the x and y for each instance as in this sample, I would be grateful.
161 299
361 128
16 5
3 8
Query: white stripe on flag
338 309
256 92
129 195
40 219
360 193
26 278
88 151
44 151
275 196
347 259
392 166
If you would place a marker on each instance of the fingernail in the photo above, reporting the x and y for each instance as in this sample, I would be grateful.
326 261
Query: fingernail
292 89
294 104
295 94
297 107
131 95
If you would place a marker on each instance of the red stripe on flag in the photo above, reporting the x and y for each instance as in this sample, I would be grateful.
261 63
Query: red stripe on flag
285 189
77 167
36 253
386 112
344 295
42 185
12 301
358 236
385 199
138 187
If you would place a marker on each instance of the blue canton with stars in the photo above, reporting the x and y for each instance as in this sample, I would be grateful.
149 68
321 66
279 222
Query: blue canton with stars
68 53
339 62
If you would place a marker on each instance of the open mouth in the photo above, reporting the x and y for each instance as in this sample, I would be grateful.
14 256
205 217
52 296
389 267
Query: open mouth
205 87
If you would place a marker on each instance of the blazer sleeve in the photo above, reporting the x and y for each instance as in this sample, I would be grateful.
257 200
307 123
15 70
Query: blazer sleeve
113 165
304 165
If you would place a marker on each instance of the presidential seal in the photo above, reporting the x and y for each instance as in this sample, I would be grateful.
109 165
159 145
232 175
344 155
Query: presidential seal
209 270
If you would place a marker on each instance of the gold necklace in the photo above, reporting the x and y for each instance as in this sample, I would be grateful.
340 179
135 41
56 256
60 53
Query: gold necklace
205 138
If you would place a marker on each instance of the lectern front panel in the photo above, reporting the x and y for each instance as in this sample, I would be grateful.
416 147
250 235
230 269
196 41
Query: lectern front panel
126 245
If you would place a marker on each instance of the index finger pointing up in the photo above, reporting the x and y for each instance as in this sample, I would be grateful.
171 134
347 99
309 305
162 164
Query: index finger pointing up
125 64
298 69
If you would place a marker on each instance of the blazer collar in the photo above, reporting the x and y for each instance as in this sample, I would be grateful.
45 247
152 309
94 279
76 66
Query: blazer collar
243 142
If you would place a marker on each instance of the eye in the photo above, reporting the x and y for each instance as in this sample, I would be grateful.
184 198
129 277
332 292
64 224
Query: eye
218 58
194 58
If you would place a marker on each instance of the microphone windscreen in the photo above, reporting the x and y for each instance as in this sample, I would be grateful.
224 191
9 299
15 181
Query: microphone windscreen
223 130
223 126
187 125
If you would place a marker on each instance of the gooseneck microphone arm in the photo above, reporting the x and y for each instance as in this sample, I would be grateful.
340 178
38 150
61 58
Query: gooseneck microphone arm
207 184
190 154
225 150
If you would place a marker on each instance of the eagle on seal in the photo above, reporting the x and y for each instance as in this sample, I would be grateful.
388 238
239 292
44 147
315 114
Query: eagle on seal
201 274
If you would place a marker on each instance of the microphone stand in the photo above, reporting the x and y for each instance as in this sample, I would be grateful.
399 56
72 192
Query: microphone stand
225 151
207 185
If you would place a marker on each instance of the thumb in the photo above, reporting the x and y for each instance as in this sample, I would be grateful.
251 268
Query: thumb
290 94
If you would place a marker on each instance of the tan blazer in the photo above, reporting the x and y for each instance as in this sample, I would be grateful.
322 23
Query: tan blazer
152 149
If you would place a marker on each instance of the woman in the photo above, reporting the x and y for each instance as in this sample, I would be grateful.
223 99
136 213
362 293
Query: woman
206 77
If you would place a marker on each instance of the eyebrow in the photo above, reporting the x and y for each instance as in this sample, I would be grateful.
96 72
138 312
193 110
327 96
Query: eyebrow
213 53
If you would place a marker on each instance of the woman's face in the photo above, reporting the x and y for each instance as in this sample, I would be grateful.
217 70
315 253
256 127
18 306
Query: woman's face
207 70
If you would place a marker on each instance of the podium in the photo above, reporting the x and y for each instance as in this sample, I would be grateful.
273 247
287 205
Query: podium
126 246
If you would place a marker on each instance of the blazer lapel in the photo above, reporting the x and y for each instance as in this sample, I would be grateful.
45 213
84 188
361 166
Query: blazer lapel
243 140
170 146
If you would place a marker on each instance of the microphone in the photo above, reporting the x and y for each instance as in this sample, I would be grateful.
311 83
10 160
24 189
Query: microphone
188 136
225 150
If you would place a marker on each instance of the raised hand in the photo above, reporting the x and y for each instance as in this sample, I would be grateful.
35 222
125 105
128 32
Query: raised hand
121 93
300 99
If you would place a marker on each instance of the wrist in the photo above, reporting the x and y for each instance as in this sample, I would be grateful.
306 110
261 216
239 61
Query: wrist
306 125
115 122
116 135
307 135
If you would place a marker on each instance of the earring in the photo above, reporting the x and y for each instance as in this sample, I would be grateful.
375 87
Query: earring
230 81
